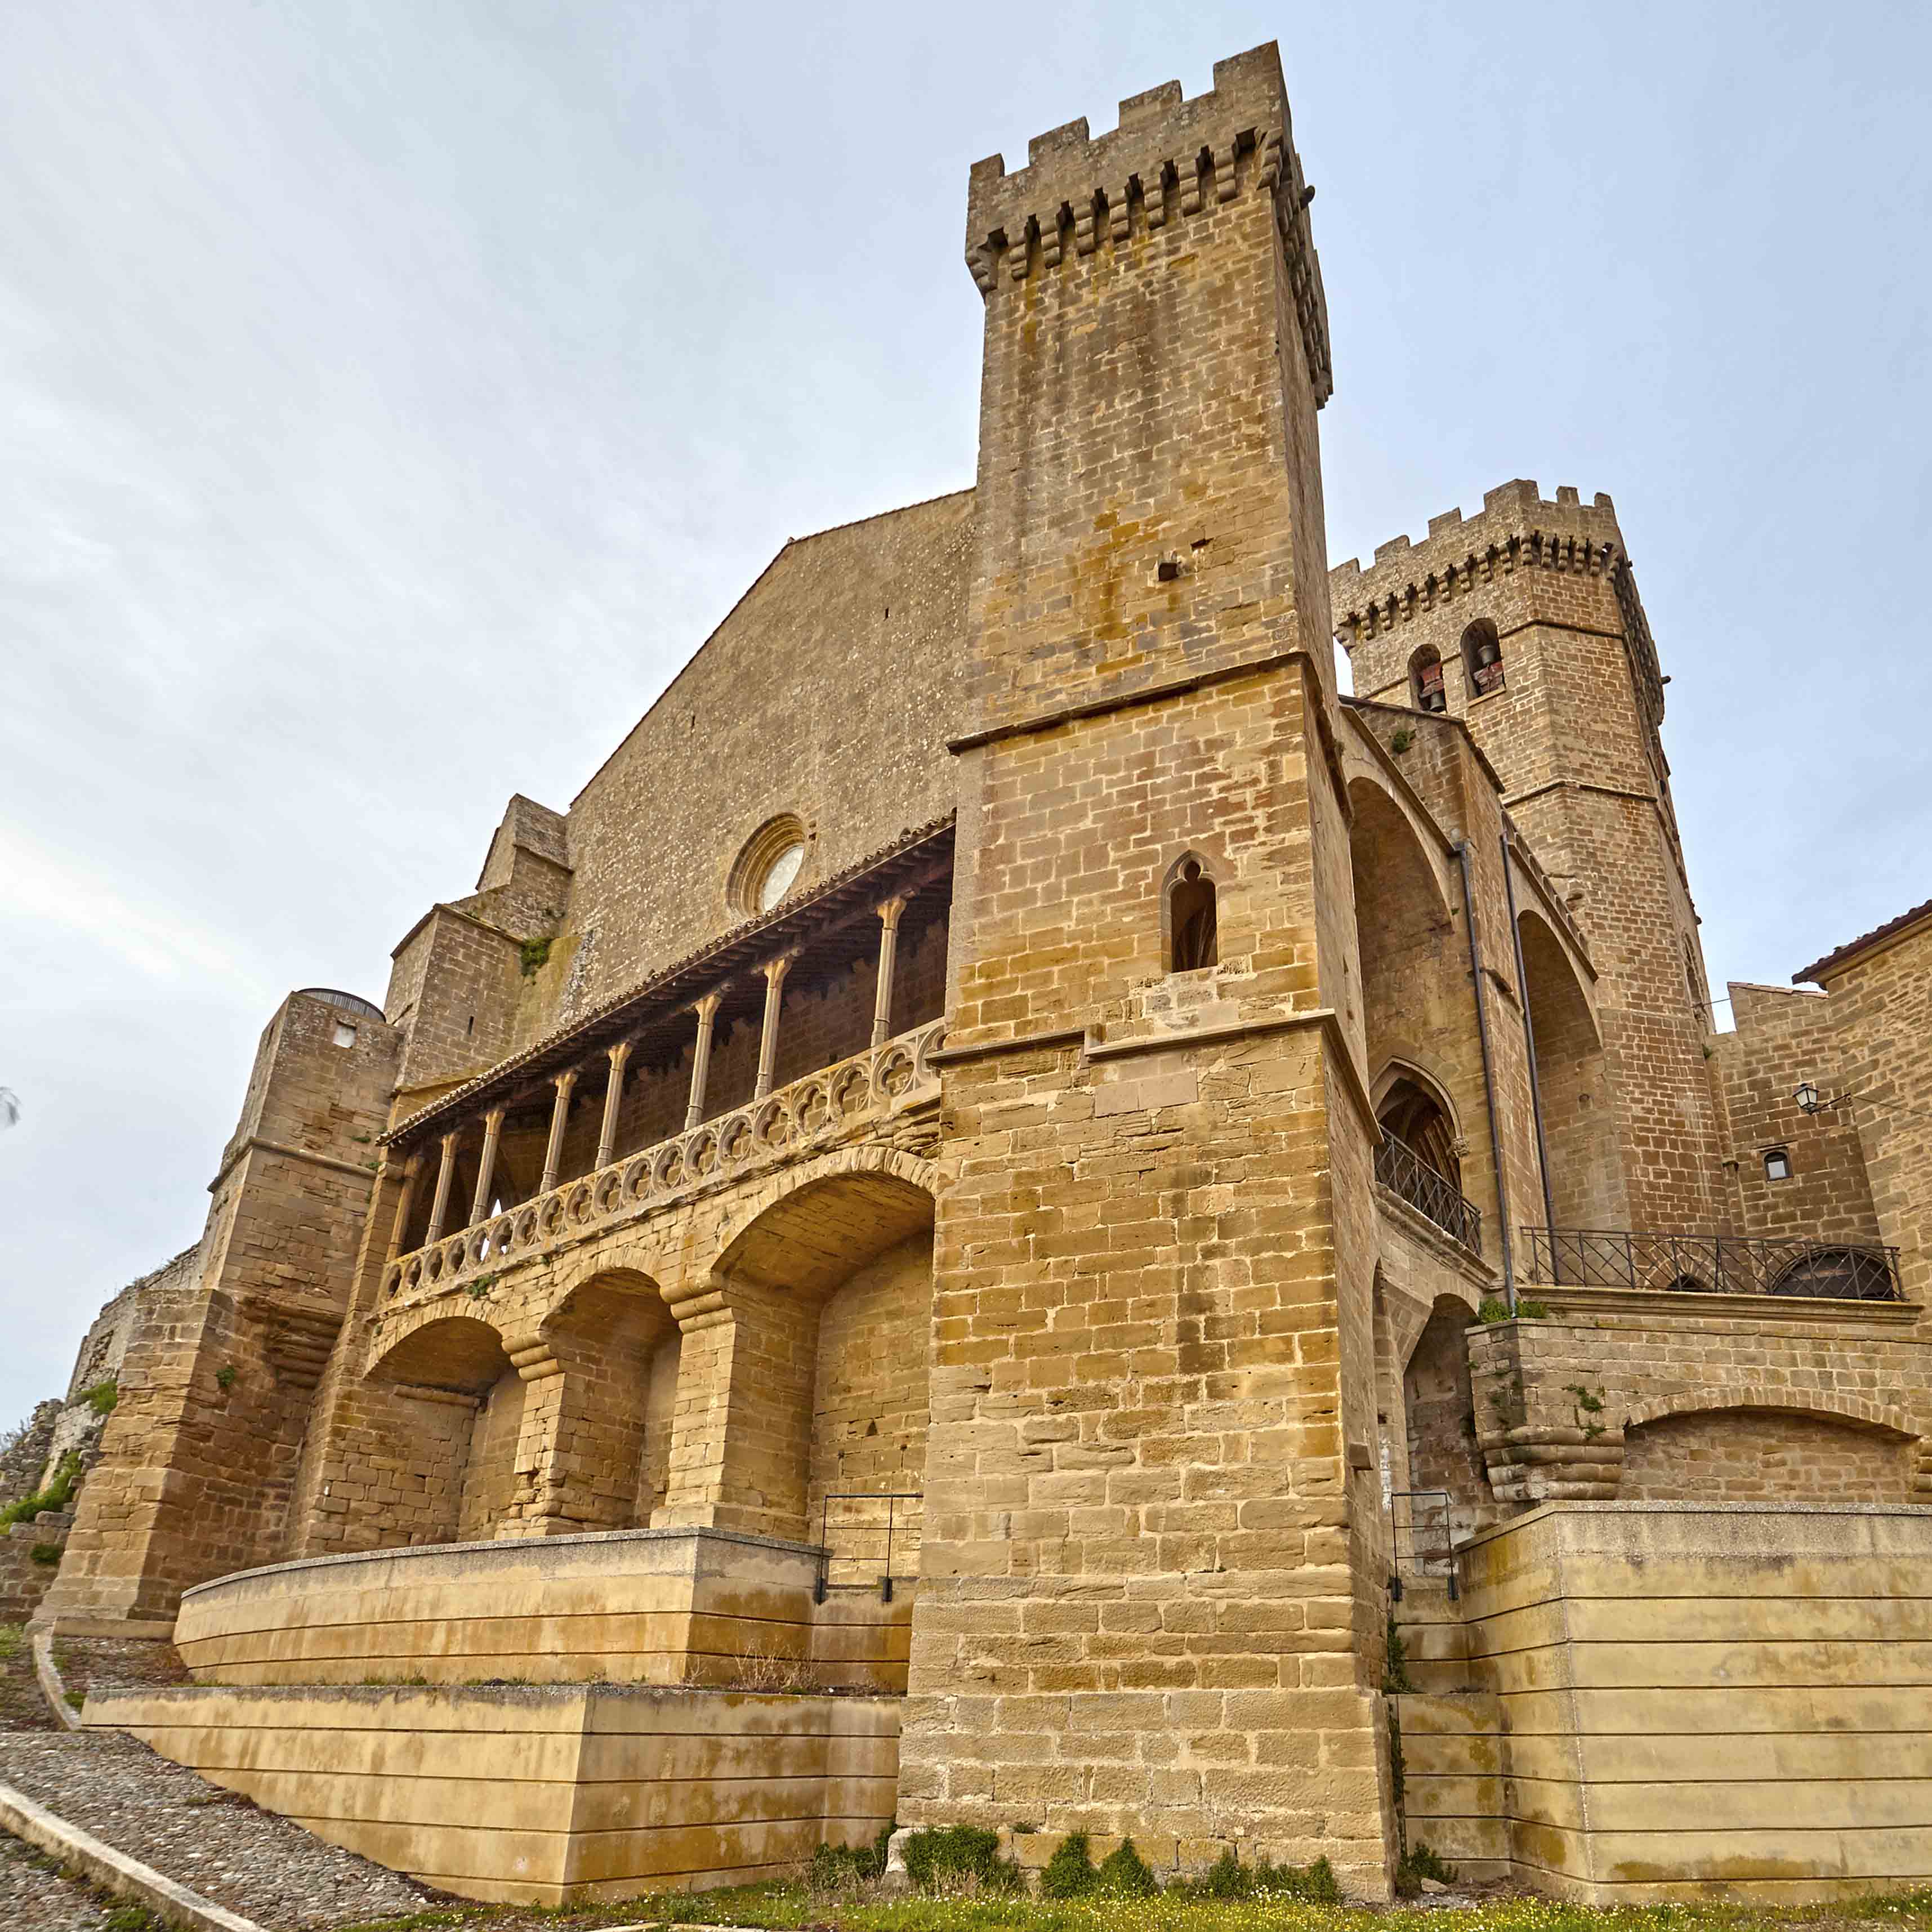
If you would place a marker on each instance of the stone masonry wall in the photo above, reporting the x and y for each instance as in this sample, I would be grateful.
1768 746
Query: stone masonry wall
1882 1004
1783 1037
1144 1585
199 1458
1743 1456
1574 732
1554 1398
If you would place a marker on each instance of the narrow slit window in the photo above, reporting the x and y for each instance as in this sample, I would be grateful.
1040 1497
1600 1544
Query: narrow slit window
1194 936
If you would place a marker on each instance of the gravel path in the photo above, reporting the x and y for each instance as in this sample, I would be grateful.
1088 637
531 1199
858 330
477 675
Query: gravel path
34 1897
251 1861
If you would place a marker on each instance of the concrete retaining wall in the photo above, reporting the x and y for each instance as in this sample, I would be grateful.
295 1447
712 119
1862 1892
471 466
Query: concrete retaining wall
533 1796
1728 1700
652 1607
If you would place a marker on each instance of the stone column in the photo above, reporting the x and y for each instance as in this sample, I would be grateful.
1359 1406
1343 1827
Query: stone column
706 1010
774 971
888 945
560 1114
486 1168
614 1096
439 1207
406 1200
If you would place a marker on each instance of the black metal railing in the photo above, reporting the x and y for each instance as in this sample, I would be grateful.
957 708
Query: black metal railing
860 1533
1708 1264
1409 1177
1421 1540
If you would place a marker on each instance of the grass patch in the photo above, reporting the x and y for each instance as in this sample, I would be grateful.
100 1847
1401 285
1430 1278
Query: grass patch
12 1641
1179 1907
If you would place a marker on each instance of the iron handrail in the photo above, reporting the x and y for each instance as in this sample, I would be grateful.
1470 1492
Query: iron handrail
1432 1549
1409 1177
892 1498
1711 1264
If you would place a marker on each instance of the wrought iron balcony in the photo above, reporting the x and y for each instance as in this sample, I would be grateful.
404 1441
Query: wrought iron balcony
1709 1264
1409 1177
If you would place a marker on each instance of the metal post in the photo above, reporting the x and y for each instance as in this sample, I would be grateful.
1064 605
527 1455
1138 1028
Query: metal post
1489 1077
1529 1044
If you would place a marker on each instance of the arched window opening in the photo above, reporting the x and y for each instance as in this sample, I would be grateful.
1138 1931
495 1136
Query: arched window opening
1193 927
1415 1116
1425 681
1483 658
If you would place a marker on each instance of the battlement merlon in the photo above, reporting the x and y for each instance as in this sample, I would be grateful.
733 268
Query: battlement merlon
1516 529
1168 158
1515 524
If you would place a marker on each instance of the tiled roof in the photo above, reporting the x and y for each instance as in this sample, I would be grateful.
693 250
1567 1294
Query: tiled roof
680 981
1819 968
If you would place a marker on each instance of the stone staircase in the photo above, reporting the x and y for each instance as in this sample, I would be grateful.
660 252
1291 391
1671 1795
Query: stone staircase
1454 1799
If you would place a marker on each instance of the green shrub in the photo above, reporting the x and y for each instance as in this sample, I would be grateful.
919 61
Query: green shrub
47 1555
102 1397
959 1857
1395 1672
1123 1874
1227 1878
1495 1309
837 1868
1315 1883
56 1495
1070 1873
1418 1863
533 956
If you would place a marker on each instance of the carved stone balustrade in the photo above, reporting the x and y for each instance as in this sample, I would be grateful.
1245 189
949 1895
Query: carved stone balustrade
841 1102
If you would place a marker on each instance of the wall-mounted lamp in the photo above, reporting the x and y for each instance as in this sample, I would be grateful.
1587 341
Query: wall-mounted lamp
1806 1095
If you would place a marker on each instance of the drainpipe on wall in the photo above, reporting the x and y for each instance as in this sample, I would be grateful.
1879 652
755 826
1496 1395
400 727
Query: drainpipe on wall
1529 1042
1488 1075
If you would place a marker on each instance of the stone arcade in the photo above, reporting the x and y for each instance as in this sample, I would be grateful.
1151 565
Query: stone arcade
965 1175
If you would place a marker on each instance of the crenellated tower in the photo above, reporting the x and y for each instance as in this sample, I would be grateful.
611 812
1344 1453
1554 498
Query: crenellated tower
1524 621
1151 1569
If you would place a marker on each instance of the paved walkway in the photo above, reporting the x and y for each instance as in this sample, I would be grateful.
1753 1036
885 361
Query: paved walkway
253 1862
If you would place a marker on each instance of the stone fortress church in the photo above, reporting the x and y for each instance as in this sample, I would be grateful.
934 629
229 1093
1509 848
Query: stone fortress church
1019 1184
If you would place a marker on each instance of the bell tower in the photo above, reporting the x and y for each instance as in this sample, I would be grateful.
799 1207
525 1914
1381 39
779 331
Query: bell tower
1151 1594
1525 618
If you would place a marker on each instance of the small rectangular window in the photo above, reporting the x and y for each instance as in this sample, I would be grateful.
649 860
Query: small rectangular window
345 1033
1776 1164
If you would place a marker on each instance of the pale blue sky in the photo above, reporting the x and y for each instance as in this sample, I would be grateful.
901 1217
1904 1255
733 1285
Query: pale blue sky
392 397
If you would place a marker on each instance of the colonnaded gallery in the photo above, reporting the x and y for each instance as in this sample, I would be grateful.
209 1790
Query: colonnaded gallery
1019 1185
